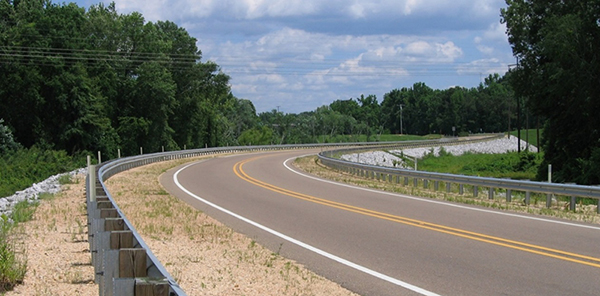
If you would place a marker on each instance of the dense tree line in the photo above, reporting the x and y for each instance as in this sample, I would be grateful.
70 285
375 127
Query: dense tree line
75 79
557 45
84 80
419 110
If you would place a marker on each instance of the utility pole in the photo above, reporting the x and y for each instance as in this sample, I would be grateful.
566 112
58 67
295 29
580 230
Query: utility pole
401 105
518 111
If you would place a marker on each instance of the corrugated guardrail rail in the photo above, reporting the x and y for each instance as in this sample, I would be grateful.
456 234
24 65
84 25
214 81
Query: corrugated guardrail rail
123 263
403 176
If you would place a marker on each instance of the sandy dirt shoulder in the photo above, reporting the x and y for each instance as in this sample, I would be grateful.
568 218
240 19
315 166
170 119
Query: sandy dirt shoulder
204 256
56 246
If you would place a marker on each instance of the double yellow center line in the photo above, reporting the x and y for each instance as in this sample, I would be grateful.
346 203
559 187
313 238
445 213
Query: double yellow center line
549 252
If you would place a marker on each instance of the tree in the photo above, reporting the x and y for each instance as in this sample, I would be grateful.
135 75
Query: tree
557 45
7 141
153 98
370 115
392 110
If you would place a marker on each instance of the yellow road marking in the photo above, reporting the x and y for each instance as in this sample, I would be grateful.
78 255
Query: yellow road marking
549 252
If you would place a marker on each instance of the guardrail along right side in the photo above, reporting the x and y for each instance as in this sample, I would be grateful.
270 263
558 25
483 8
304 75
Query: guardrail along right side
422 178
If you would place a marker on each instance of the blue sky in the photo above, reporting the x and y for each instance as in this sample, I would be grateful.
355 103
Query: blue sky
297 55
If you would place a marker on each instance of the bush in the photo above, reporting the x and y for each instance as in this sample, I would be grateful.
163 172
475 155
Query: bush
509 165
24 167
13 262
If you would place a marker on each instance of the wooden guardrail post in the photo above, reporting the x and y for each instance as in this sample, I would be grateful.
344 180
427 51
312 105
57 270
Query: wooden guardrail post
147 287
132 263
121 239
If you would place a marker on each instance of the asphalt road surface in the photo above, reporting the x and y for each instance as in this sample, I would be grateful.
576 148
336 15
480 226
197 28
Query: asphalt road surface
377 243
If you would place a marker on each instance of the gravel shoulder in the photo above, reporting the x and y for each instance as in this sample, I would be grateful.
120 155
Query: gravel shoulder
204 256
56 246
390 158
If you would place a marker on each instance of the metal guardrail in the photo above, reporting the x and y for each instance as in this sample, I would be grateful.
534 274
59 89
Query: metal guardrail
396 174
123 263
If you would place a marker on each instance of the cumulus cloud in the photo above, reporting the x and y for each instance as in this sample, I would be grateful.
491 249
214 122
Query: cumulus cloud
306 53
483 67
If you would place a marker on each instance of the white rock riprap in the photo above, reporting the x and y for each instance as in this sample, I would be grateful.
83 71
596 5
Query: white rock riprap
50 185
382 158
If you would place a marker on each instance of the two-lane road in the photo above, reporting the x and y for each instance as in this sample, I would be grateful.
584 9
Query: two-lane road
377 243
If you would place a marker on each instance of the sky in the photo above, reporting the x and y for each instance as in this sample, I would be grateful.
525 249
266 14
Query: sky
297 55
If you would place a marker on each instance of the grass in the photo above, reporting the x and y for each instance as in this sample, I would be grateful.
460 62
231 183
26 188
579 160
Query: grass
377 138
13 261
530 136
513 165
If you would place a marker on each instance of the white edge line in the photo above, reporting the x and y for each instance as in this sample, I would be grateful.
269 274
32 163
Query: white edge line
430 200
302 244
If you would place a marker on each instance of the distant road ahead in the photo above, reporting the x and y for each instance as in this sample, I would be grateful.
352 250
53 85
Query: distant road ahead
376 243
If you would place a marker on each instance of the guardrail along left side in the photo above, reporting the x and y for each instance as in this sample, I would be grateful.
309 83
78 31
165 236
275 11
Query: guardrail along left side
122 265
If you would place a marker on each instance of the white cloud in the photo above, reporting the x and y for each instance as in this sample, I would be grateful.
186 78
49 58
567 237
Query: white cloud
483 67
487 50
493 40
496 32
440 52
419 48
257 9
275 8
306 52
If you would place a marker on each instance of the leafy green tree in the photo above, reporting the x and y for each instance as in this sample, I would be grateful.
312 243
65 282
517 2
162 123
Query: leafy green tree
392 110
370 115
256 136
153 98
557 44
346 107
7 141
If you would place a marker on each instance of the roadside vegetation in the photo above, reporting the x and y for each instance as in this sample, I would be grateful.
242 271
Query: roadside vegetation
513 165
13 259
585 211
529 136
23 167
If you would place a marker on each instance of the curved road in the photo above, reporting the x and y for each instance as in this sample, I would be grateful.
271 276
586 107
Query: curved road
376 243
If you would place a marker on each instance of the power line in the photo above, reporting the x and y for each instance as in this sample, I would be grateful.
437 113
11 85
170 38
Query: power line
41 56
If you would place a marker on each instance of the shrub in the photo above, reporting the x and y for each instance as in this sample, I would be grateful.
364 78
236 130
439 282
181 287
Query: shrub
24 167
